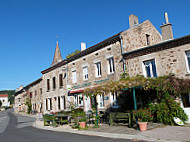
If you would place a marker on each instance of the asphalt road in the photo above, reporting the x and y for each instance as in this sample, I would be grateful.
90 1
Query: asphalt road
17 128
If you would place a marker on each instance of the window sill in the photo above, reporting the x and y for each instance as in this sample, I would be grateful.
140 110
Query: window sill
98 76
111 73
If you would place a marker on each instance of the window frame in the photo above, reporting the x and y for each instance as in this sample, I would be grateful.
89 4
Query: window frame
111 65
85 72
98 70
99 101
61 80
48 85
74 80
187 62
151 68
114 99
54 83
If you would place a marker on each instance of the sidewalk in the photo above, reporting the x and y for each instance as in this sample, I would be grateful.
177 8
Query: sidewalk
161 134
166 133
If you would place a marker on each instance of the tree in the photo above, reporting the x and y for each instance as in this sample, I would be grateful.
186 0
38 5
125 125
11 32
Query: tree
73 53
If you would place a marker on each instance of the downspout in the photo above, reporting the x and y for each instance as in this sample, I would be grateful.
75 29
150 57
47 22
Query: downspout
121 42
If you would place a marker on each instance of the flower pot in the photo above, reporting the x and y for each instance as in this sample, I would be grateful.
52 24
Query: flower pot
142 126
82 124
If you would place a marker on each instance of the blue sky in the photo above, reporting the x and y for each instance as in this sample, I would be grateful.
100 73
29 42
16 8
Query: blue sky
28 29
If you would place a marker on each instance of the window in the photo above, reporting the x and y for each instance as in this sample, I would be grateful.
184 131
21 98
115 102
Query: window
59 105
74 75
111 68
188 60
48 86
50 103
35 93
114 99
80 100
185 100
63 103
148 39
30 95
54 84
46 104
101 101
98 69
61 80
76 100
150 68
40 90
85 73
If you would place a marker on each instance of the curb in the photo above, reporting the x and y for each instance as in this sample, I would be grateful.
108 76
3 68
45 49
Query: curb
101 134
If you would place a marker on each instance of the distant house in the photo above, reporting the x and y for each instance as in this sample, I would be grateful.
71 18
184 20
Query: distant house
4 100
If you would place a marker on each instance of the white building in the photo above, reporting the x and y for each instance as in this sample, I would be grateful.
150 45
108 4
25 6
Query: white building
4 100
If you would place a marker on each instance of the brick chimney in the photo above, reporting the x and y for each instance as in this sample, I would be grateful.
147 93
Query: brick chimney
166 29
133 20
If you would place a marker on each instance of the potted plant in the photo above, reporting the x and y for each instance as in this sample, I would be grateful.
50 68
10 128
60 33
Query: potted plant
144 116
82 122
79 117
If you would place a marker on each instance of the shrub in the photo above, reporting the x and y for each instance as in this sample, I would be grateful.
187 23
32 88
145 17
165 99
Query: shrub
165 111
144 115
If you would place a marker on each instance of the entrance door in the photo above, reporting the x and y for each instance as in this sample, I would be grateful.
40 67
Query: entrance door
185 104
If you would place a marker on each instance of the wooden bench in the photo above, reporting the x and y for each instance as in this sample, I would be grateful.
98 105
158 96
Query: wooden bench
49 120
121 117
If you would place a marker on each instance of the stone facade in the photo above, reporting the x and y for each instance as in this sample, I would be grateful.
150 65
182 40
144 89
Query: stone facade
82 70
59 92
140 36
172 60
36 94
20 100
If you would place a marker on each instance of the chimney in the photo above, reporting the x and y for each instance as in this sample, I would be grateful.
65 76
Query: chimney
133 20
166 29
83 46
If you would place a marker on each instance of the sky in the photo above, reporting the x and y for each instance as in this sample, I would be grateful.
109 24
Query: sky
29 29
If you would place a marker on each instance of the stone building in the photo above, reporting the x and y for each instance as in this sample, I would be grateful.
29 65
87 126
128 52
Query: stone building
31 92
20 99
65 80
35 95
171 56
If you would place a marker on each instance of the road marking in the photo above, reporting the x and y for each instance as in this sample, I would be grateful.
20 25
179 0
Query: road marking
3 117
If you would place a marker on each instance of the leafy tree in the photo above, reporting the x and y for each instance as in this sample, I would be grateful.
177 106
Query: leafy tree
29 105
73 53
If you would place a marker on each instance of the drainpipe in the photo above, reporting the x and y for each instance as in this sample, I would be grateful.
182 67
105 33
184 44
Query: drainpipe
121 42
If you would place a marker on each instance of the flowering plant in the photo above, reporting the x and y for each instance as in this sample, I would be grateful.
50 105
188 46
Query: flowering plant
144 115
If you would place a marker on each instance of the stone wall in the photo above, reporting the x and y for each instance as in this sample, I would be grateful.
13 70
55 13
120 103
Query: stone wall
167 61
135 37
37 94
58 91
102 55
